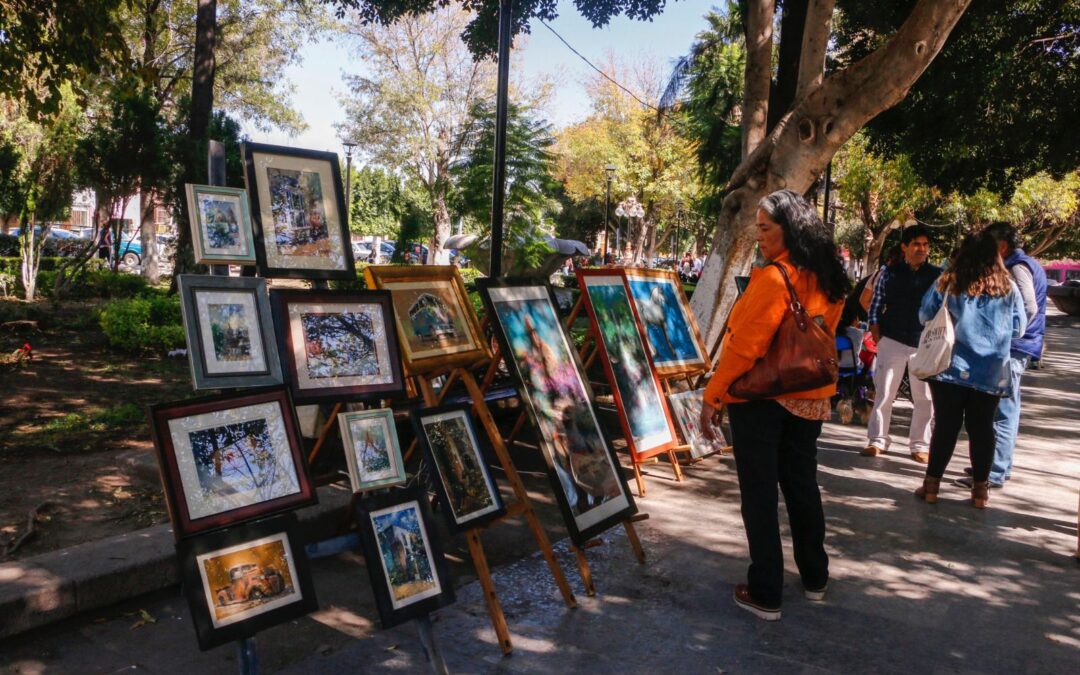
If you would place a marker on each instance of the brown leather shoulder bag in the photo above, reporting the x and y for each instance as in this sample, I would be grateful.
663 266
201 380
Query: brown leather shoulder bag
802 356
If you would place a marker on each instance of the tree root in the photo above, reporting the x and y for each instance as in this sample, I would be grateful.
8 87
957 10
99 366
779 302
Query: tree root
31 529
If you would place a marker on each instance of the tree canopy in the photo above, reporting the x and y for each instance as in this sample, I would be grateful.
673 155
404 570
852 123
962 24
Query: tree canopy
481 31
997 104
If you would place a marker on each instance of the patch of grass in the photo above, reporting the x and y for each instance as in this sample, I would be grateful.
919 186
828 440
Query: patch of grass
117 417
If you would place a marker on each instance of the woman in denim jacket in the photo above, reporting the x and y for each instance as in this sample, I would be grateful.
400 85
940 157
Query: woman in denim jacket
987 312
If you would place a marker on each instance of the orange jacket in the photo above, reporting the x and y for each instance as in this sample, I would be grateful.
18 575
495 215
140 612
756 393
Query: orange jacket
756 317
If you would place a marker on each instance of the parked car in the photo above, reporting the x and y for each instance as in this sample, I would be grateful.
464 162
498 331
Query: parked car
131 251
360 251
250 582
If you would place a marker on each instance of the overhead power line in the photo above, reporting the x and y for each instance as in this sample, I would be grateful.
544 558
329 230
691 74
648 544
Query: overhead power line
602 73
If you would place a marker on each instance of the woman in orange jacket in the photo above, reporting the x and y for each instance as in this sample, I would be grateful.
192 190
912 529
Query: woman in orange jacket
775 440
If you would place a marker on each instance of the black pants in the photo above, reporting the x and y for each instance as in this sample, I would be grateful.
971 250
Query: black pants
955 407
772 447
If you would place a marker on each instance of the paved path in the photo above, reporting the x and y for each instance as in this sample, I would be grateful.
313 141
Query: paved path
916 588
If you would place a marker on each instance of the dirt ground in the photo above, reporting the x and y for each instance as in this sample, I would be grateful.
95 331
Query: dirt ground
73 432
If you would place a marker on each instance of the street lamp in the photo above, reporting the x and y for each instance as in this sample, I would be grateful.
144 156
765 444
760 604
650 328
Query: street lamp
610 171
349 145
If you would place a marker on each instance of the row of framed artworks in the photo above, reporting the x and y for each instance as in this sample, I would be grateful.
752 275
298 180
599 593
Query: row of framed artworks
246 578
290 221
329 344
645 330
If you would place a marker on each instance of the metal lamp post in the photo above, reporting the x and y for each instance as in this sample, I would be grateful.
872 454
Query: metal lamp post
349 145
610 171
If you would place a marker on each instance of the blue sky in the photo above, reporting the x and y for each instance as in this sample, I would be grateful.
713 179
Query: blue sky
319 82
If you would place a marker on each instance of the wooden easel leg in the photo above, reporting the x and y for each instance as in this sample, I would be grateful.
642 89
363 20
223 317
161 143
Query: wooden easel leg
635 543
585 571
480 406
498 619
518 425
675 465
639 478
324 433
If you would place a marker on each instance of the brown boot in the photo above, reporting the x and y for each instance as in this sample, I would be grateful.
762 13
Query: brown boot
928 491
980 493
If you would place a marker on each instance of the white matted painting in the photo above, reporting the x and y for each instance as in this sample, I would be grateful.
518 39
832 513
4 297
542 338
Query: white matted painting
686 408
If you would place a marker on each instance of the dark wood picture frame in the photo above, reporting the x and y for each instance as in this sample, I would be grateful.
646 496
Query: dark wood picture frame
190 286
367 507
207 602
419 363
621 508
172 475
346 270
480 450
633 443
701 363
280 301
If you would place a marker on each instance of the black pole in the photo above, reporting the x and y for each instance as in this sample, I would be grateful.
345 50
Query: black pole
498 191
607 220
828 191
215 172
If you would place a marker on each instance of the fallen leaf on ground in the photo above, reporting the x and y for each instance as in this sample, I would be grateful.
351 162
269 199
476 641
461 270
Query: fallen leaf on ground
146 618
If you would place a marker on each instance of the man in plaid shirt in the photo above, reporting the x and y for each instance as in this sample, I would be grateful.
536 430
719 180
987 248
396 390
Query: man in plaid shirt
894 323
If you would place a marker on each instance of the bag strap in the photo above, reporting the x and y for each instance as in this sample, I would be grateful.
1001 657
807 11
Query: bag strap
795 306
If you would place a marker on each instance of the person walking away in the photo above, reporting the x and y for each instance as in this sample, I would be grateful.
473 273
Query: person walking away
895 326
775 440
1030 280
987 312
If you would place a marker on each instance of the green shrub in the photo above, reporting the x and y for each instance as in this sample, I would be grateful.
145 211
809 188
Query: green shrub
469 275
143 324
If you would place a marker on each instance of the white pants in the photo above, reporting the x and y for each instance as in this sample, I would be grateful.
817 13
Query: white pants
892 358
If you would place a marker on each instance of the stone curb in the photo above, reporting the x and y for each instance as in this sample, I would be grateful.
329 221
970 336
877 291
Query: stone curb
60 584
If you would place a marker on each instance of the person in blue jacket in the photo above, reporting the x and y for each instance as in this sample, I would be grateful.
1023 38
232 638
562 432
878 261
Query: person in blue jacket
987 312
1030 279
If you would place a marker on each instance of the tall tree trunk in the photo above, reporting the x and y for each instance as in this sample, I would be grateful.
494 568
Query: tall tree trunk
202 105
782 94
148 200
795 153
757 75
148 237
815 41
443 225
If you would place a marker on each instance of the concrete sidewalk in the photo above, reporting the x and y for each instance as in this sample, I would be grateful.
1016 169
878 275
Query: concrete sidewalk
915 587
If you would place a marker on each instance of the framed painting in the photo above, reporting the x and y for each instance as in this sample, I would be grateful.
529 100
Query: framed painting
246 579
456 461
436 323
299 213
337 343
686 407
229 330
230 458
666 322
584 471
371 449
643 412
404 556
220 225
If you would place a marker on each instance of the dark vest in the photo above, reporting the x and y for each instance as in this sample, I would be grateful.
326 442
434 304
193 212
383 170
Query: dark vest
904 290
1031 342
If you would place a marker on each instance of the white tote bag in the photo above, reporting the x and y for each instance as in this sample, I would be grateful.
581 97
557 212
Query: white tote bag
935 345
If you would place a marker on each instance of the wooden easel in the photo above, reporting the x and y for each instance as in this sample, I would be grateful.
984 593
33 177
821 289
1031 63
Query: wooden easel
590 349
522 506
583 563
